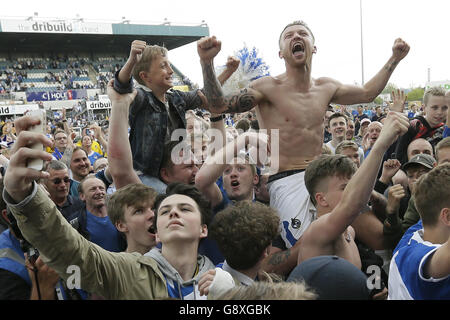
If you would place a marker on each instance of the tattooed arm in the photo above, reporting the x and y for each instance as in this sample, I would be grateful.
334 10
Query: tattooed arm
281 261
350 94
243 101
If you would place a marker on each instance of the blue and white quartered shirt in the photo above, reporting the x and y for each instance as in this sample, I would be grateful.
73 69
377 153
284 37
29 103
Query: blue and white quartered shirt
406 274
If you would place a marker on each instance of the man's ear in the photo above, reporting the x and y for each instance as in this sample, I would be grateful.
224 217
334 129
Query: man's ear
164 173
320 199
4 214
203 231
280 54
144 77
122 227
444 216
255 179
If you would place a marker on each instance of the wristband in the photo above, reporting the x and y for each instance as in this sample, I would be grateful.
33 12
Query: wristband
215 119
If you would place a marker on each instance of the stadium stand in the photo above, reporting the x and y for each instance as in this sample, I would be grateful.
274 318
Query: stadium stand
56 63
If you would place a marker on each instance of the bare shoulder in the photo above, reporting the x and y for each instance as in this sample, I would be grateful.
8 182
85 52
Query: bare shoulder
265 83
326 81
315 230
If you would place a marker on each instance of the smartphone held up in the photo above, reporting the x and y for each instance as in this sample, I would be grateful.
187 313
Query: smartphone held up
37 164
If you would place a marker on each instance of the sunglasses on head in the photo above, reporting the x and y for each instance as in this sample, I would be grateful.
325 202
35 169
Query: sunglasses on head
58 180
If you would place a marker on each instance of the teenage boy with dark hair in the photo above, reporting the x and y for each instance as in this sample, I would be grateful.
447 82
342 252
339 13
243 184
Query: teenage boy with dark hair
131 211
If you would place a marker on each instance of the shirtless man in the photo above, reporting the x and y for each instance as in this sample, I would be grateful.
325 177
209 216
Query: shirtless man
295 104
339 197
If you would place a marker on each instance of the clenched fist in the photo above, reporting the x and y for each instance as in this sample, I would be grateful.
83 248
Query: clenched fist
232 64
208 48
137 48
400 49
396 194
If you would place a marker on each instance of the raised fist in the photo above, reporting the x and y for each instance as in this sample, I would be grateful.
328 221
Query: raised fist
400 49
137 48
208 48
232 63
396 194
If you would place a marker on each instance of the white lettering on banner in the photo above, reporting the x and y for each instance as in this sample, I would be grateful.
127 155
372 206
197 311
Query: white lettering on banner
58 95
55 26
97 105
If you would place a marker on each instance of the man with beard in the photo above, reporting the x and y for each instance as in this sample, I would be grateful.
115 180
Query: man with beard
295 104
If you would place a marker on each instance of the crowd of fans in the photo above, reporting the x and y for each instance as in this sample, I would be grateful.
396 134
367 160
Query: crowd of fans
177 182
63 73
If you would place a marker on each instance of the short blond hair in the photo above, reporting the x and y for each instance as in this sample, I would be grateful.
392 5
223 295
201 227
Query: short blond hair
150 52
346 144
296 23
443 144
433 91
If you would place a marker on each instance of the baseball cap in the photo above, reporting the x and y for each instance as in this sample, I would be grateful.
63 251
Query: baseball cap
332 278
423 159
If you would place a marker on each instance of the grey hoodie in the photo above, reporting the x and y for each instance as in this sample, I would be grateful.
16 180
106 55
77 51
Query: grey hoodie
176 286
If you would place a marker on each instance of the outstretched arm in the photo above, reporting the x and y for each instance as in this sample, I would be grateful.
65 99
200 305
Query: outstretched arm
98 134
243 101
213 168
231 66
67 156
350 94
102 272
120 160
282 261
360 186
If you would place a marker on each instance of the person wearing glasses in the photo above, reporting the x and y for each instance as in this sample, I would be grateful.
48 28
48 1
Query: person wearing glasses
58 187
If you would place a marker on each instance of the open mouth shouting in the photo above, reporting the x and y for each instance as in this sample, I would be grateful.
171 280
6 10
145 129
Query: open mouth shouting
298 49
235 184
152 229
